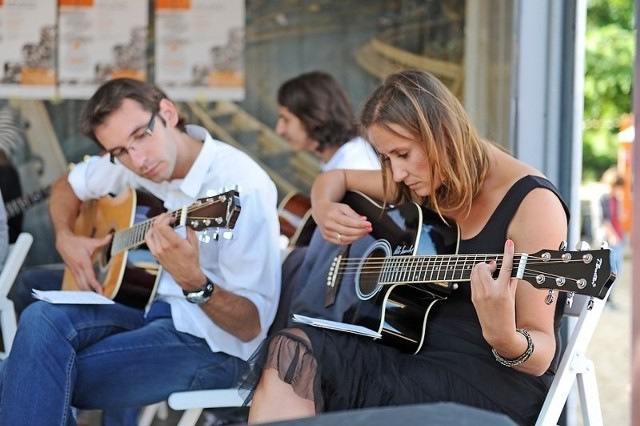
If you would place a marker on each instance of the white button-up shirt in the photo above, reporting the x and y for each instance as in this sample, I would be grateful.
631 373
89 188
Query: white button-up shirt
247 265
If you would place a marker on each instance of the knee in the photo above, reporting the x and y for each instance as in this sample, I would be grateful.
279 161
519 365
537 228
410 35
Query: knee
37 314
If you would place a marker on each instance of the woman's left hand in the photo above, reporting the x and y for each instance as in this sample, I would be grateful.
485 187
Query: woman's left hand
495 299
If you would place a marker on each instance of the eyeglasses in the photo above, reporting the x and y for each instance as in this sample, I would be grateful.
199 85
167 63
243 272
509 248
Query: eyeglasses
122 153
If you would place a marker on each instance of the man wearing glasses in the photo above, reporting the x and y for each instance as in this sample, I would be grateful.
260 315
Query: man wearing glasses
214 301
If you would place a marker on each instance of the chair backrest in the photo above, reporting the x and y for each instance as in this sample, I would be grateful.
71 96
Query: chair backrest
15 259
583 316
12 265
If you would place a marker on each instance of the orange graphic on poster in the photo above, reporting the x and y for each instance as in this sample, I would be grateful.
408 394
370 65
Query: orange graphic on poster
173 4
38 77
129 73
226 79
87 3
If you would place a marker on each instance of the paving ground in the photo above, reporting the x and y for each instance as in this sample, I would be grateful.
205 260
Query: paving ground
610 350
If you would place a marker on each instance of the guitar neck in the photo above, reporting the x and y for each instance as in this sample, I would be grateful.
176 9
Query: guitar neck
441 268
19 205
134 236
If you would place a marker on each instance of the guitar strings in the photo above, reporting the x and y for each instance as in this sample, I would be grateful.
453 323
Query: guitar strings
134 236
438 265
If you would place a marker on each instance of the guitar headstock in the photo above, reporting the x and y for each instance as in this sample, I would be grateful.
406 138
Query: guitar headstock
217 211
586 272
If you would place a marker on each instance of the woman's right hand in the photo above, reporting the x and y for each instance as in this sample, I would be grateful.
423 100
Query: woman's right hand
77 253
337 221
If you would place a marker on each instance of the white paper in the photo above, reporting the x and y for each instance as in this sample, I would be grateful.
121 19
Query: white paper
334 325
71 297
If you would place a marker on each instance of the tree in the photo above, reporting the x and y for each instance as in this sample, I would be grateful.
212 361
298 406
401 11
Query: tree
609 58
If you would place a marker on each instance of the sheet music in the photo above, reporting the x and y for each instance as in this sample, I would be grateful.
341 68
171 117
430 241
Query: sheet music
339 326
71 297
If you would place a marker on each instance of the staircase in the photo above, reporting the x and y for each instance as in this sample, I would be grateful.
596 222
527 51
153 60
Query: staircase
290 171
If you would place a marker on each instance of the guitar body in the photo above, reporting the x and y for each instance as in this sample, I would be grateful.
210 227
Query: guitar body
390 280
353 295
296 223
129 276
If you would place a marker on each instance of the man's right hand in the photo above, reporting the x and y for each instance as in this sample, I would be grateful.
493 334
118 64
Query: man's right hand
77 253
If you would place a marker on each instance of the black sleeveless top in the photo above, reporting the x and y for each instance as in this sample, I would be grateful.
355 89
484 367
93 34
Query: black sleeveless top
455 363
457 316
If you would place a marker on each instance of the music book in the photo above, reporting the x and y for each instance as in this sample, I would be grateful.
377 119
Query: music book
71 297
335 325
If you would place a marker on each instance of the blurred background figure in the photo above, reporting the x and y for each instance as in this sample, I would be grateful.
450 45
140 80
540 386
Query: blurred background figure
4 233
611 229
315 115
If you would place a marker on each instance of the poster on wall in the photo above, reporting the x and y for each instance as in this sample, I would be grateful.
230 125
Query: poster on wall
27 48
199 49
100 40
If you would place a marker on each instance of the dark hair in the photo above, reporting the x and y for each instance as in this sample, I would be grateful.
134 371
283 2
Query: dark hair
322 105
109 97
423 106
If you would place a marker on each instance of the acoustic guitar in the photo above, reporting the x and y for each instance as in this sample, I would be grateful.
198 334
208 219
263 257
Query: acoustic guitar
408 263
296 223
19 205
126 268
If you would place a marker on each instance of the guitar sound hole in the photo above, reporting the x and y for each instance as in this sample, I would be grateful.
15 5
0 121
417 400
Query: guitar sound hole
105 255
368 279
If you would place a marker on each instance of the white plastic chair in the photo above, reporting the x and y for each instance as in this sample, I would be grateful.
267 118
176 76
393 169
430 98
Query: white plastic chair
15 259
575 367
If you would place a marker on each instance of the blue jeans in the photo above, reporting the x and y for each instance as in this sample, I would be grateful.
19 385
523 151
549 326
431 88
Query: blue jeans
107 357
41 277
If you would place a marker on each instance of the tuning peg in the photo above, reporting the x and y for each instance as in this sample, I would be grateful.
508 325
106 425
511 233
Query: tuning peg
204 237
563 246
227 235
550 298
569 302
604 245
583 246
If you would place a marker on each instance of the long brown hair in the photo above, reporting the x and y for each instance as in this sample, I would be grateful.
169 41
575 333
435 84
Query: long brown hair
422 105
322 105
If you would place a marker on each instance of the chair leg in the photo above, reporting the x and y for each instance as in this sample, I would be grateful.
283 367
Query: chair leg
8 324
152 411
589 396
190 417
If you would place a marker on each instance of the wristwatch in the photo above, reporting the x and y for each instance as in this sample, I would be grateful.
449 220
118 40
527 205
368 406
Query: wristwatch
201 295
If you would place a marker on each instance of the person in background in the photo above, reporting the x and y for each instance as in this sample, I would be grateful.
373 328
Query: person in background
210 310
4 232
315 115
611 228
491 344
11 189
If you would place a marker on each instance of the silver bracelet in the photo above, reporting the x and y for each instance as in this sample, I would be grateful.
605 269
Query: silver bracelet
522 358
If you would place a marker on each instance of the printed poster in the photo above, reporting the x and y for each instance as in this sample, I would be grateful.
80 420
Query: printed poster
27 48
100 40
199 49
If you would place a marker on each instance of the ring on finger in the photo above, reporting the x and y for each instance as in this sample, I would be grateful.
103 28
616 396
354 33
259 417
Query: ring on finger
339 237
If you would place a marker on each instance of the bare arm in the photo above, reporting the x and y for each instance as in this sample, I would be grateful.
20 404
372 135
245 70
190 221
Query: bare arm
338 222
179 257
76 251
63 206
506 304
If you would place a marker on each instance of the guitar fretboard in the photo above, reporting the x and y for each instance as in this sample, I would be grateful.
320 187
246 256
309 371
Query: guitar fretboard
19 205
425 269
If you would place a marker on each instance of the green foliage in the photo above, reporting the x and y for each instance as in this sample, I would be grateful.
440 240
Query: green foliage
609 58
